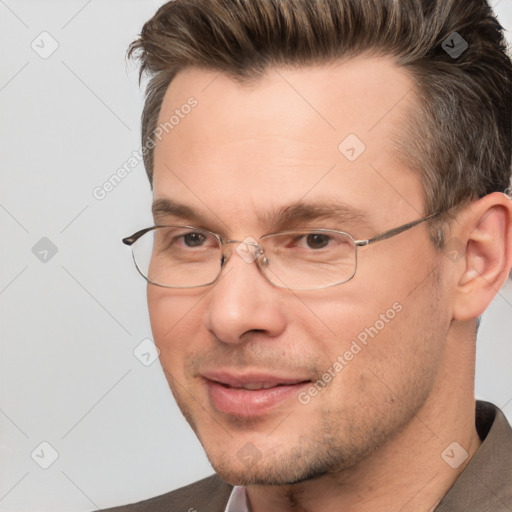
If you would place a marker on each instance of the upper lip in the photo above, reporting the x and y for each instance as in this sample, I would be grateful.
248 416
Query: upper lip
238 380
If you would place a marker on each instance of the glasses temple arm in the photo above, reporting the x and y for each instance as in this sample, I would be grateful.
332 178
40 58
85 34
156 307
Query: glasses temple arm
395 231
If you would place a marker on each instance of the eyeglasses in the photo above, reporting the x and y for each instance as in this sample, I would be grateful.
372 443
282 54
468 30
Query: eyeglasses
303 259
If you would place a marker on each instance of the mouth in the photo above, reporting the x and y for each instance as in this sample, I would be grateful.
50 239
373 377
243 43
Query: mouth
250 394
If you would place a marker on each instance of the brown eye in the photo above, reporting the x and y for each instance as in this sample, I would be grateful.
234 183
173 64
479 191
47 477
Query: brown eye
193 239
317 241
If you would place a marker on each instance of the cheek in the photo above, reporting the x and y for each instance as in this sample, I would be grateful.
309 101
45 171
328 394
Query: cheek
175 320
369 330
338 317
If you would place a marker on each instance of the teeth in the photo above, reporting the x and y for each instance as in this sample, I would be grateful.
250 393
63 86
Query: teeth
256 386
252 387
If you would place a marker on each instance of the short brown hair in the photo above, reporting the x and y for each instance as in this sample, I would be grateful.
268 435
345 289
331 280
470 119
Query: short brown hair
458 137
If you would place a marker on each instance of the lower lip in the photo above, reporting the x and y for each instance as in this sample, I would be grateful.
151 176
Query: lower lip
245 402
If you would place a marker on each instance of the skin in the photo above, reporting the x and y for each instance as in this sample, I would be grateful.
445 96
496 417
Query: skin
372 438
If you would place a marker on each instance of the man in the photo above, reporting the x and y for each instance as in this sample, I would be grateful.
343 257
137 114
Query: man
332 217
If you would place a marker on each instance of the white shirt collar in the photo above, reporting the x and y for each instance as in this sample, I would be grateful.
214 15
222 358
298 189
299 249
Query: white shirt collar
237 500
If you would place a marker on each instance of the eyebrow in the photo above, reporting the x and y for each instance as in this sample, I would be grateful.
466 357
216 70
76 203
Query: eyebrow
287 217
165 207
299 213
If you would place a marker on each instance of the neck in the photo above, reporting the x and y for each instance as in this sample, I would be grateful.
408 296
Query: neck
413 470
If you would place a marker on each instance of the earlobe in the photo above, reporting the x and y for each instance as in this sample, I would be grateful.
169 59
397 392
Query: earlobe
486 234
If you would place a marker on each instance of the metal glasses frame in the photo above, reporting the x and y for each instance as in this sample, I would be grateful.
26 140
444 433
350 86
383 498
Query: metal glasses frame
260 257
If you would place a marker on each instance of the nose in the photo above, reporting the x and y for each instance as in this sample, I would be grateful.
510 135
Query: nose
242 301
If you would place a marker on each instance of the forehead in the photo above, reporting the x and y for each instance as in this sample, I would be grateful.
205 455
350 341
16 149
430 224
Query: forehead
319 131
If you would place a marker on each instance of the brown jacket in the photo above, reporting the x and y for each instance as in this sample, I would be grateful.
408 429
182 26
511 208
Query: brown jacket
485 485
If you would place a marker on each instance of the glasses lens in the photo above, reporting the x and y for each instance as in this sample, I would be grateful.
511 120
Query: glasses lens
309 259
178 257
186 257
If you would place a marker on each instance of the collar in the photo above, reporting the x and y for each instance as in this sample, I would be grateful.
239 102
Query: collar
238 500
486 482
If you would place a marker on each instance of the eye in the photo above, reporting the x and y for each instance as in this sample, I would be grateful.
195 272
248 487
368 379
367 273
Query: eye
193 239
317 240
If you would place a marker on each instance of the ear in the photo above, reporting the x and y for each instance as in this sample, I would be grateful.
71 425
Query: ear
484 245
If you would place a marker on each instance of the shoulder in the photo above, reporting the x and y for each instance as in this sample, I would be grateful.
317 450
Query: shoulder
210 494
485 484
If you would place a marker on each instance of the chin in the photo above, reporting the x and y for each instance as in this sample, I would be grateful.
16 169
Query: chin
276 468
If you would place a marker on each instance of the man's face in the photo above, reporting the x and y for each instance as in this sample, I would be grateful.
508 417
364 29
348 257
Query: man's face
239 160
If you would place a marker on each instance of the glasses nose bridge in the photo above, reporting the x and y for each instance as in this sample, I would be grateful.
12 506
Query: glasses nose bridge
249 249
250 241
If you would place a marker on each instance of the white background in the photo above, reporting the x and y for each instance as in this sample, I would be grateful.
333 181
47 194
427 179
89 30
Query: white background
70 325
